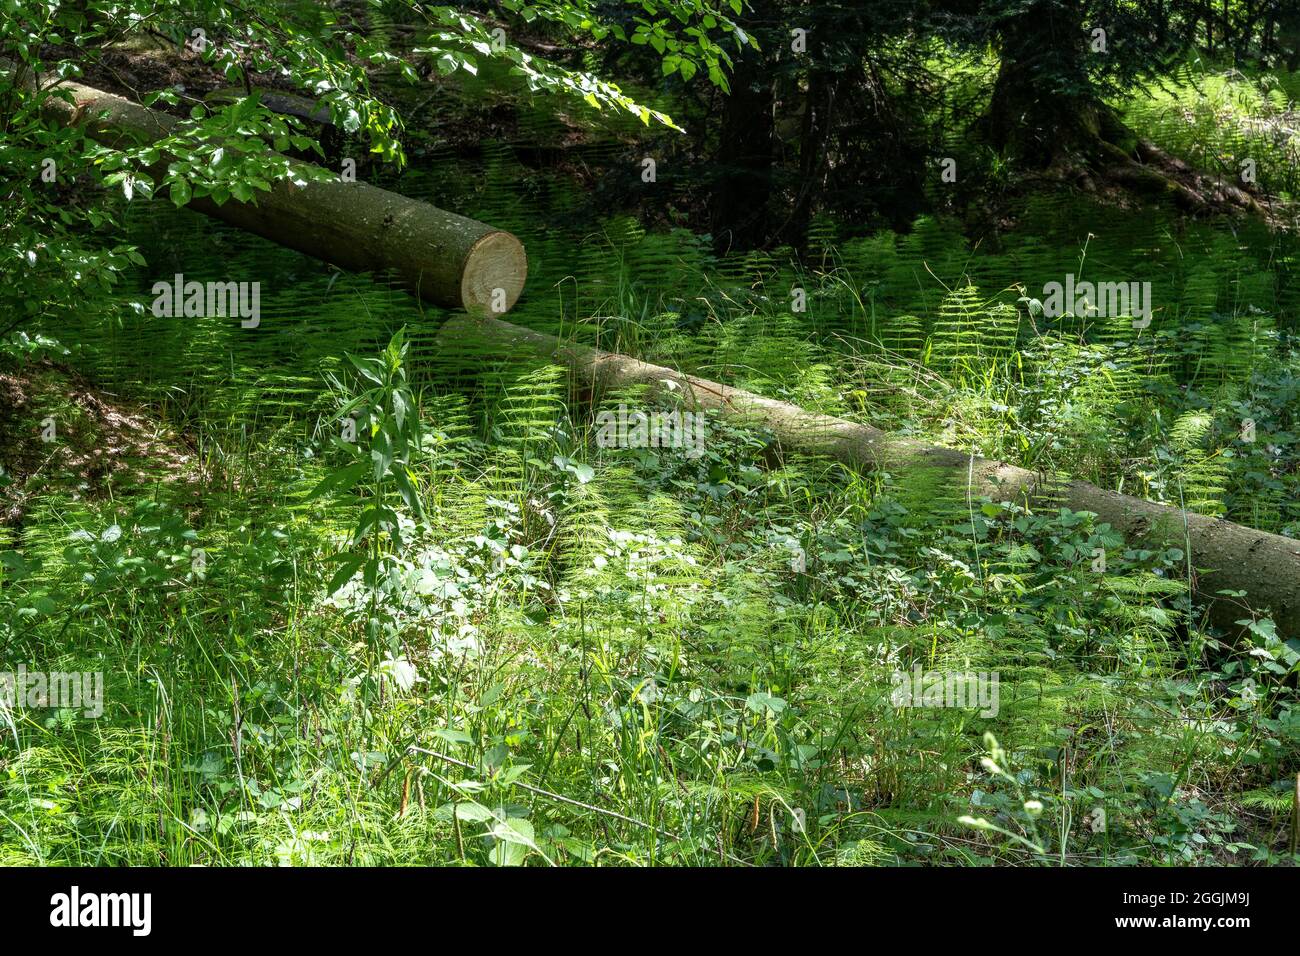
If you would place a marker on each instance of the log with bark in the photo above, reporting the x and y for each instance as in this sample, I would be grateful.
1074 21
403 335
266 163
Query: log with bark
1223 556
447 259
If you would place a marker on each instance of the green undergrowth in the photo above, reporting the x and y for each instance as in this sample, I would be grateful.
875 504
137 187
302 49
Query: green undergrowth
316 545
1242 126
705 644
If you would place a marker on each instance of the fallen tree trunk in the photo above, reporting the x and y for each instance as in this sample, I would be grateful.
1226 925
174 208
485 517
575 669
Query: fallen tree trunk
449 260
1225 556
457 262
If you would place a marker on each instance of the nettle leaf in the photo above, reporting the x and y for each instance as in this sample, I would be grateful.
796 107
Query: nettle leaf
399 407
471 812
508 854
406 489
458 737
341 478
368 368
514 830
1264 628
347 569
763 703
584 473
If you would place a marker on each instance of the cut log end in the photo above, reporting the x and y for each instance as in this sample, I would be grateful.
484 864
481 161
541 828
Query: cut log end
444 258
494 273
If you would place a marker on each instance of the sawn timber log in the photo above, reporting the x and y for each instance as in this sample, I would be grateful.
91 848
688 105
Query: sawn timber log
447 259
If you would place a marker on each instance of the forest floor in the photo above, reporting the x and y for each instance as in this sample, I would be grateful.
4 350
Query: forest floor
59 431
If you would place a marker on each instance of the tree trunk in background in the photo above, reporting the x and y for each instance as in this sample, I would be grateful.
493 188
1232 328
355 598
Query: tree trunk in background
739 214
743 189
1227 556
1041 107
1288 34
819 105
1046 114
